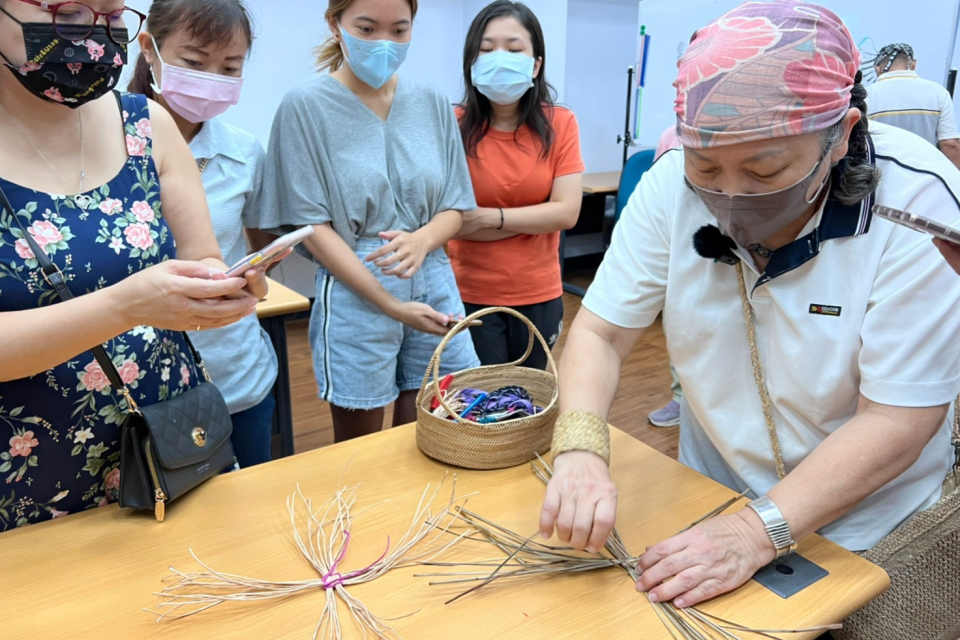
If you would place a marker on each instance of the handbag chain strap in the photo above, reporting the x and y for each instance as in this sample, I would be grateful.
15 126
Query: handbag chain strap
758 373
765 396
55 278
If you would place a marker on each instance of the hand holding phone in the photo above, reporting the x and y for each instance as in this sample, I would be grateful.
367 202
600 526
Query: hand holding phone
270 253
918 223
947 239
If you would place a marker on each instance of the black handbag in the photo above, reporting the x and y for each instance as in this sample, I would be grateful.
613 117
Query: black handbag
167 448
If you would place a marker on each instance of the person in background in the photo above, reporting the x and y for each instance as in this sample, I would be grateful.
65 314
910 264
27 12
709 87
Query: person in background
191 62
668 140
903 99
669 415
106 187
524 158
375 163
839 422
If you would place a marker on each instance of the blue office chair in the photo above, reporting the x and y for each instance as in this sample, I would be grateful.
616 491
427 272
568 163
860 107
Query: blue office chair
637 165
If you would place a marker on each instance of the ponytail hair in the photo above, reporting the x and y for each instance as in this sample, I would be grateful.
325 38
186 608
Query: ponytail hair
329 54
860 178
205 21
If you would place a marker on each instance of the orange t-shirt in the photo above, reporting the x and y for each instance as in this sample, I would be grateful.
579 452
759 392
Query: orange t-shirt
509 173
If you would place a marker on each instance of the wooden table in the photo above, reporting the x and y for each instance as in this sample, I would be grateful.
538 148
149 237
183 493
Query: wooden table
601 183
89 575
273 311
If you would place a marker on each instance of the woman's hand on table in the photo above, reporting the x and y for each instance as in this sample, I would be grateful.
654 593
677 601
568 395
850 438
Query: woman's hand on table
403 254
710 559
182 296
581 501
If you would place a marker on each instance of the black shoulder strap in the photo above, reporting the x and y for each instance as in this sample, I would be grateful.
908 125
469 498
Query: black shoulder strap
55 278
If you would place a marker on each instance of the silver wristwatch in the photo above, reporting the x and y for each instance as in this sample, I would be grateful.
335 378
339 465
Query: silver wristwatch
777 528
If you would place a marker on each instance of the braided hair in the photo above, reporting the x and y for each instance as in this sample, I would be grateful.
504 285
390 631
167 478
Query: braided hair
859 178
889 54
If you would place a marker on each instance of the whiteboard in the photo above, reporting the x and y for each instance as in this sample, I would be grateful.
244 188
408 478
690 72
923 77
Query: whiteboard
927 25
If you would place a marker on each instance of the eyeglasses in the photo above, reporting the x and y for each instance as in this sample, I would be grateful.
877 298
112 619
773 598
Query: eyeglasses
74 21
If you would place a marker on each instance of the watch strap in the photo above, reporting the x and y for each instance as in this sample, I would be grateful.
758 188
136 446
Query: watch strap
775 524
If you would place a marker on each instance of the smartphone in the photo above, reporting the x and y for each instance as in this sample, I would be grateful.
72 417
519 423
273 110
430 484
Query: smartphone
270 252
918 223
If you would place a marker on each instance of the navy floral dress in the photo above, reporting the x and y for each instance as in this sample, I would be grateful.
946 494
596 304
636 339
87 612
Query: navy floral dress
62 427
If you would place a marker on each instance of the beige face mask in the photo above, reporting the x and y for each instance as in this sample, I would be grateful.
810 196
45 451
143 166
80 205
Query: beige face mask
749 219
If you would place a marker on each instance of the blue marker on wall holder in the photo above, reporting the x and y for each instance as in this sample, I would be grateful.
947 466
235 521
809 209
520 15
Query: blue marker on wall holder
643 54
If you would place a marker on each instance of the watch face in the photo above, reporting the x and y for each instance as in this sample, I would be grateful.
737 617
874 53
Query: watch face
790 575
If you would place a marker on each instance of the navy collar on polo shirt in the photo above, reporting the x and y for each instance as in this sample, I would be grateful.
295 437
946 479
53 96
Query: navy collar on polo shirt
838 221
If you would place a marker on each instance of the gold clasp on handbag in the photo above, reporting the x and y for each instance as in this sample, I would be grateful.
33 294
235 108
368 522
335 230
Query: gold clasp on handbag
199 436
131 403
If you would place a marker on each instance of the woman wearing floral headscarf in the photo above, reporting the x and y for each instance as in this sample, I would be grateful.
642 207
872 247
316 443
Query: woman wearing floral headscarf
855 318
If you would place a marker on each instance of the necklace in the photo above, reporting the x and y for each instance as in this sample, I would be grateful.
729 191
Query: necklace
83 173
761 251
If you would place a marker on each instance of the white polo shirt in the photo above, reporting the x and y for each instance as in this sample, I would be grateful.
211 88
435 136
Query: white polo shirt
893 334
904 99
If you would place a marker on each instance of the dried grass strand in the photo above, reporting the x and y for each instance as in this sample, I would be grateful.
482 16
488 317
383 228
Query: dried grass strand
322 536
525 557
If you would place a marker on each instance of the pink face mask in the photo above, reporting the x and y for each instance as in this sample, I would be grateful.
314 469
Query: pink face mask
196 96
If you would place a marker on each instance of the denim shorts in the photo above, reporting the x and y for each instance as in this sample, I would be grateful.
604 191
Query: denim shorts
362 358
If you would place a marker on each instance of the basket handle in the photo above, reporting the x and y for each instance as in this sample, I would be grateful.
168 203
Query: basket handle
434 367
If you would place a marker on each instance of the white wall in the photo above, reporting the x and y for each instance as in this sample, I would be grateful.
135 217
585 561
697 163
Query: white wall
955 58
601 45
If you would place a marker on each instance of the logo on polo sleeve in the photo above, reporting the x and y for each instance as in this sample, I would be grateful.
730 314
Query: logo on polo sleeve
825 310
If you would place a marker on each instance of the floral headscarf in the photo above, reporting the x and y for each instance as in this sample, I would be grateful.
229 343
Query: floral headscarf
765 70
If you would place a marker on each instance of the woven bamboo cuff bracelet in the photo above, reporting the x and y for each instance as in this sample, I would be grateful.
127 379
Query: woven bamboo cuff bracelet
582 431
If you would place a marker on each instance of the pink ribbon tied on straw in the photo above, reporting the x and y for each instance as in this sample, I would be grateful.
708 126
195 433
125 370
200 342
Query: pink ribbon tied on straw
332 579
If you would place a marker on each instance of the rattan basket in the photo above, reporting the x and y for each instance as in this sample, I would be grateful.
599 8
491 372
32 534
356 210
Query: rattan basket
489 446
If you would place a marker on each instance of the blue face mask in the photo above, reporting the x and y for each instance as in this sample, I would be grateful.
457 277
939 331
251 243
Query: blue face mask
503 77
374 61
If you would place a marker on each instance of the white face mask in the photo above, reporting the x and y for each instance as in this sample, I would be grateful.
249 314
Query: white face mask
503 77
373 61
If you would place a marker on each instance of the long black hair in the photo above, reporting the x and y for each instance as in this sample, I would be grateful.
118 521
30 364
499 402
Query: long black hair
535 104
207 21
860 178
